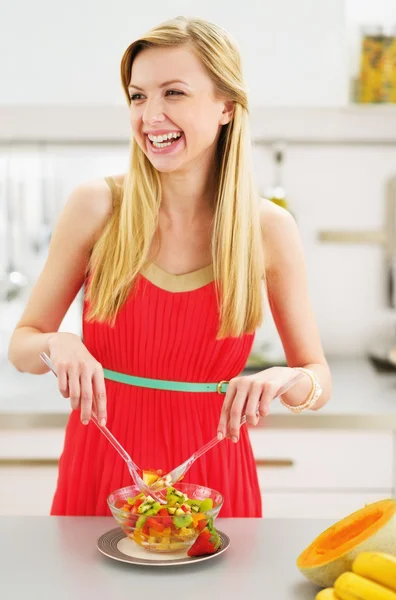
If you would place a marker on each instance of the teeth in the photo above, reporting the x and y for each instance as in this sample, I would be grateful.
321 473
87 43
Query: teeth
161 145
162 138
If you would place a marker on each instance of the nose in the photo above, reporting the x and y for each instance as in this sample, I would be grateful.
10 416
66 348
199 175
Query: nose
153 113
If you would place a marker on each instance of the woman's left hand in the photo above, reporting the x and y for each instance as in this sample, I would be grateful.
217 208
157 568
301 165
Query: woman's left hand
251 395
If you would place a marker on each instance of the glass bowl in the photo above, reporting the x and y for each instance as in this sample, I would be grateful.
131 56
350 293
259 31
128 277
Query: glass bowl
165 532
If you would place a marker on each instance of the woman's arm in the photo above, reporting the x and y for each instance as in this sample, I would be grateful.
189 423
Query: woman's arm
290 303
79 225
295 321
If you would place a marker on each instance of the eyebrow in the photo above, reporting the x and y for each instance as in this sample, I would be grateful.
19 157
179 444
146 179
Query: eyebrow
166 83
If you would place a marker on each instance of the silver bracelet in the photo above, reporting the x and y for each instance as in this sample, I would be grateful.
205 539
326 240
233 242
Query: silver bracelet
313 396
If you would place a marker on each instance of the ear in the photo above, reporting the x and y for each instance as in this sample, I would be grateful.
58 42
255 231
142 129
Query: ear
227 112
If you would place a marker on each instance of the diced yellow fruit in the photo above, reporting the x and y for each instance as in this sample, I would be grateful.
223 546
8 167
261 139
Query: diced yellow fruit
155 533
149 477
152 539
185 532
176 545
350 586
138 537
326 594
377 566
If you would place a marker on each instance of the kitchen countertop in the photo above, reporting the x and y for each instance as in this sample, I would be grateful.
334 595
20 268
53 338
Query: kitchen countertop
56 557
362 398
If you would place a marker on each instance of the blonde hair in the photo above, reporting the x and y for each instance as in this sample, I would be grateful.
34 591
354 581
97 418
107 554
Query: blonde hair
237 249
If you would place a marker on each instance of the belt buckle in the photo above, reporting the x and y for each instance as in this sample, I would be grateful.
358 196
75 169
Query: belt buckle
219 387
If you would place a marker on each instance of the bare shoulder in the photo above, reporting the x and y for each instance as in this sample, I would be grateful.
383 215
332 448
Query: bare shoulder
93 197
281 236
89 206
274 217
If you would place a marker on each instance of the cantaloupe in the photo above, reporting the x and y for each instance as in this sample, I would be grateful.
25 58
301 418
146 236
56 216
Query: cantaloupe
333 551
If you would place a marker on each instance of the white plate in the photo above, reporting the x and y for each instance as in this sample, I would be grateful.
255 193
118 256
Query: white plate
116 545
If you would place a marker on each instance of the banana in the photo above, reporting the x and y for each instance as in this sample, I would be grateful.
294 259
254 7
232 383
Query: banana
326 594
378 567
350 586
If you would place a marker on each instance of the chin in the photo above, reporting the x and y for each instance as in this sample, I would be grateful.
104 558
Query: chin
163 167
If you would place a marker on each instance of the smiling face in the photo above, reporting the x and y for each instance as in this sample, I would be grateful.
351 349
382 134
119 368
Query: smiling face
175 114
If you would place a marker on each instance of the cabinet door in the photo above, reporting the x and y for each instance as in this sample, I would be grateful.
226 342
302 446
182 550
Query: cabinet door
318 505
27 490
318 460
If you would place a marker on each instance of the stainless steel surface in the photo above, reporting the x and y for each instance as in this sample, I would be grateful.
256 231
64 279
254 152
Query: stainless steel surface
59 559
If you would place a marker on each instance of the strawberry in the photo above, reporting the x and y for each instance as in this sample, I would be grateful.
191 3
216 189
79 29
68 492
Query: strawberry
208 541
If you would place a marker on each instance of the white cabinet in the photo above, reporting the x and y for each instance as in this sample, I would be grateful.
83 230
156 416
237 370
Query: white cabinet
326 473
27 490
302 473
28 470
316 505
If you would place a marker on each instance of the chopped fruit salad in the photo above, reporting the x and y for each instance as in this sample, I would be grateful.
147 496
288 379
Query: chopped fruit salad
171 526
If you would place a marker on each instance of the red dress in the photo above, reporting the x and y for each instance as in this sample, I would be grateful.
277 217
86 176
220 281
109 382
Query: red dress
160 334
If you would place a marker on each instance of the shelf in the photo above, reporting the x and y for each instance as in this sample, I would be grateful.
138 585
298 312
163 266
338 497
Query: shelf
350 125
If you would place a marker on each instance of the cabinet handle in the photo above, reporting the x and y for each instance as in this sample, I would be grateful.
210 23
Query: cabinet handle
274 462
29 462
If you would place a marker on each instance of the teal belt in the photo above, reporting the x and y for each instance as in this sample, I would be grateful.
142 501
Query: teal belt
162 384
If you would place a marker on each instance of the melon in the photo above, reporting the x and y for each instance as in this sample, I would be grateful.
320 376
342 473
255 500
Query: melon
372 528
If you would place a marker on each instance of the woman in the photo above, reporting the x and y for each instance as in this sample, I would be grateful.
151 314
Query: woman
175 255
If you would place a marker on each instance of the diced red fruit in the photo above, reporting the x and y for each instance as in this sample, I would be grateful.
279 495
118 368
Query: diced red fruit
201 524
183 507
155 524
165 518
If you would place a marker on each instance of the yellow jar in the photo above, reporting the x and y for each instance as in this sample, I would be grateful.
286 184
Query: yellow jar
377 67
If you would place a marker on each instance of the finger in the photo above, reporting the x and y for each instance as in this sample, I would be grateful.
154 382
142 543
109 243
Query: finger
86 395
236 411
267 395
74 387
99 390
225 411
252 403
63 386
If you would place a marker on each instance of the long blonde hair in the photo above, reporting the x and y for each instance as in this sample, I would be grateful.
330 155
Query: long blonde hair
237 249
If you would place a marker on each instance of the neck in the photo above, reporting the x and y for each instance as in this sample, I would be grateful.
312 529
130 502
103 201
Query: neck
188 193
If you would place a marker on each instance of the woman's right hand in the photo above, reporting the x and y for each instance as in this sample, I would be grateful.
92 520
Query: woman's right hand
80 376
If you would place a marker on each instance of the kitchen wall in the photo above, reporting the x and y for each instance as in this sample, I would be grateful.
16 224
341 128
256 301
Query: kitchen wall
272 35
295 55
340 188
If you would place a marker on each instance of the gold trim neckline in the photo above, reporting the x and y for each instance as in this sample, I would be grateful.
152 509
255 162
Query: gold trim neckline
186 282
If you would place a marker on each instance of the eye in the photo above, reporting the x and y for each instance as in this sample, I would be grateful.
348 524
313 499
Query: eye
135 97
174 93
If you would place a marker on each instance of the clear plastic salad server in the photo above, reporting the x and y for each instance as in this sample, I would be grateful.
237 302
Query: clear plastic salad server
173 476
132 467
